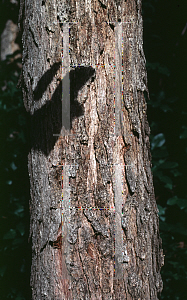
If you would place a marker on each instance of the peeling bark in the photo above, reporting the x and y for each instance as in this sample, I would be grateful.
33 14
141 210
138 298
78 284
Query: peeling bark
79 263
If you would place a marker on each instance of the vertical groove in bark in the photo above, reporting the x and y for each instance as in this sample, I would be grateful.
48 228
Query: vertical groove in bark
83 267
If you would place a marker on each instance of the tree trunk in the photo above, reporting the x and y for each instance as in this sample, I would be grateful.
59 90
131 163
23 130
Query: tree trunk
109 245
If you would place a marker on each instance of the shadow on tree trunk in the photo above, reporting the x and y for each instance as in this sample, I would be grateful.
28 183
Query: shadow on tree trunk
47 120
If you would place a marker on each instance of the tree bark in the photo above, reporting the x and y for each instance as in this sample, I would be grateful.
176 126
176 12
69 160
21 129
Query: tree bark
109 245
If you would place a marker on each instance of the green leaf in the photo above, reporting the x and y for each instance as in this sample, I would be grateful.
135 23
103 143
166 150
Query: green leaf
19 210
172 201
2 270
183 135
168 186
11 234
157 141
166 179
182 203
9 182
161 212
21 228
13 166
176 173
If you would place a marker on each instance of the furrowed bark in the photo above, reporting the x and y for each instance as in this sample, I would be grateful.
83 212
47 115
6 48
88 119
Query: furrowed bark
106 170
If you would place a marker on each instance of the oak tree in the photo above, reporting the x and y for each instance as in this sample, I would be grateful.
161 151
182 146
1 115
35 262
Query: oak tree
84 83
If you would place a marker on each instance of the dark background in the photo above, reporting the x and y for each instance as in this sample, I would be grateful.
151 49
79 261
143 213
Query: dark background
165 41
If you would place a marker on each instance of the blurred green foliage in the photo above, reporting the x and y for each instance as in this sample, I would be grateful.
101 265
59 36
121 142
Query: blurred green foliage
14 216
167 112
